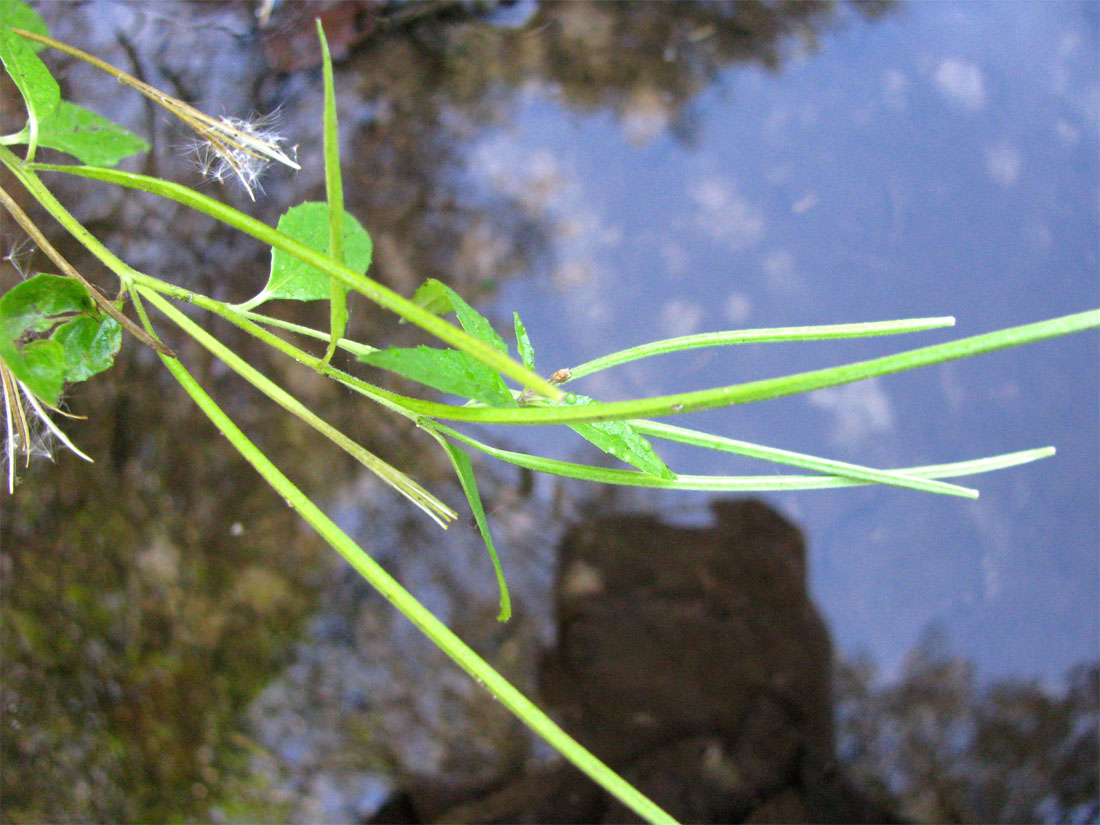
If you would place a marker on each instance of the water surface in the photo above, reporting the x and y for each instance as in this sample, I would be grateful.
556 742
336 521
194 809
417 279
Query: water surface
616 174
938 160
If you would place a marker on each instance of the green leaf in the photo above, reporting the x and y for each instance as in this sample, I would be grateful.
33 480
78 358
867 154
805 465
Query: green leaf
308 223
90 346
434 296
760 390
19 15
619 439
446 370
658 429
820 332
740 484
334 189
523 344
420 616
450 371
371 289
81 342
475 323
90 137
437 297
465 471
40 91
36 304
40 365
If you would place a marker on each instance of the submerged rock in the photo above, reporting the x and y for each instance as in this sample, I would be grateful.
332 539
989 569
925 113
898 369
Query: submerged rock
691 660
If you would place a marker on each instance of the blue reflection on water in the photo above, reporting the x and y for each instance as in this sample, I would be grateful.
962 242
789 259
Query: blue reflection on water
943 160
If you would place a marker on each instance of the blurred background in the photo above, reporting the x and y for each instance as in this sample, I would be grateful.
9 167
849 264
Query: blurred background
177 646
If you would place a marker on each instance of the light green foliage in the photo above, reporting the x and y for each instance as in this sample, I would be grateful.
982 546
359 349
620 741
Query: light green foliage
620 439
40 91
39 365
334 189
457 373
465 472
19 15
51 121
90 343
86 135
51 333
439 298
446 370
35 304
434 296
616 438
523 343
308 223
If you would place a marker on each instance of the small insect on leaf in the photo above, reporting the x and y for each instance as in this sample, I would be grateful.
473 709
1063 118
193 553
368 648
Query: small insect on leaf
561 376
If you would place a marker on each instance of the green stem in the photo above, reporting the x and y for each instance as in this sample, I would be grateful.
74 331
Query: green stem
768 388
758 336
437 632
739 484
381 295
642 408
416 613
694 438
40 192
717 397
345 344
334 188
421 497
465 471
652 428
40 240
389 400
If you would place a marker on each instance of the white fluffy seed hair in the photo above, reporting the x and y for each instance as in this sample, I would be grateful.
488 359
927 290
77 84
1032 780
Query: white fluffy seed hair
240 148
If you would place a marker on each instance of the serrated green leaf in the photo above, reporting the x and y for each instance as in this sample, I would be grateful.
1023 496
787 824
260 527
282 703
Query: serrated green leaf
308 223
90 345
88 136
475 323
19 15
465 471
41 302
619 439
446 370
523 344
435 296
82 341
40 91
